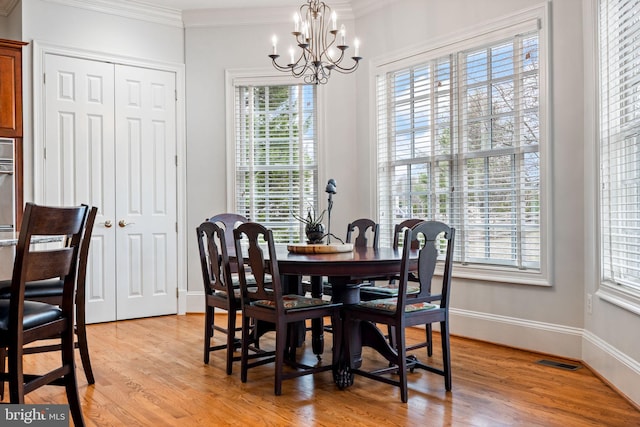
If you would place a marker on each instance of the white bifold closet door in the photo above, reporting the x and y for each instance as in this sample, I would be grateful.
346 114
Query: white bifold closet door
110 141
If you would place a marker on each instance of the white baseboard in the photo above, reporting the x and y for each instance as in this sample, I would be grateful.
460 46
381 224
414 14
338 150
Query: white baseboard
615 367
195 302
182 301
548 338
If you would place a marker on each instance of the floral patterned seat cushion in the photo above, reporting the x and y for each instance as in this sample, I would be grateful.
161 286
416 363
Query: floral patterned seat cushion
391 304
390 289
293 302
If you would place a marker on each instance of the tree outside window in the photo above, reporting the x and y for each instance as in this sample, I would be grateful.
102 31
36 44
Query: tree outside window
276 156
458 142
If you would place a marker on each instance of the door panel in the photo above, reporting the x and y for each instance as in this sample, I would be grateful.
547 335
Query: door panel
110 141
79 159
146 192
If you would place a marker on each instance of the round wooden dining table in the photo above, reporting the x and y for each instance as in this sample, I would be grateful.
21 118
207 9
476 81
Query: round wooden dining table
344 271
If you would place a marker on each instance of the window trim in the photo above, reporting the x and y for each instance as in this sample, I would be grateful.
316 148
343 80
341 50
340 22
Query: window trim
263 77
536 17
619 295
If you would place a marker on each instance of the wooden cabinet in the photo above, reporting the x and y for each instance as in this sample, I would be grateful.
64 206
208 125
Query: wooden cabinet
11 88
11 109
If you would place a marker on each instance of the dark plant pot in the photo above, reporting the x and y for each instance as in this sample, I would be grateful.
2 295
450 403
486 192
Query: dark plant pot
314 233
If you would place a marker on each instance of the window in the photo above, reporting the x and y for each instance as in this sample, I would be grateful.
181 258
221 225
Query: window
619 38
459 141
276 170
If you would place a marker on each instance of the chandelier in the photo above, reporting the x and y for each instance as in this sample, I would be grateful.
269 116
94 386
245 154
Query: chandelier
322 46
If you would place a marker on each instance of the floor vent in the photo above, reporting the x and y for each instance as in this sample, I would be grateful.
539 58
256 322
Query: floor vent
560 365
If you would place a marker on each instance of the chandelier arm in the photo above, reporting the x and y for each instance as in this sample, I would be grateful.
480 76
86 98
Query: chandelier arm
278 66
300 70
303 64
337 61
345 70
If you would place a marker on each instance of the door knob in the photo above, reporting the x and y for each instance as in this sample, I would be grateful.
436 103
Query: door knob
122 223
107 223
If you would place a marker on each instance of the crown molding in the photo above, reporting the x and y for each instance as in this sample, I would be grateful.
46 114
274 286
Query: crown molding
7 6
146 10
140 10
254 16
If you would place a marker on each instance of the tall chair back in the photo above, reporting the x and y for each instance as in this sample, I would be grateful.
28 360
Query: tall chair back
23 322
366 228
228 222
399 229
219 290
412 307
214 258
431 235
264 269
263 302
81 286
50 292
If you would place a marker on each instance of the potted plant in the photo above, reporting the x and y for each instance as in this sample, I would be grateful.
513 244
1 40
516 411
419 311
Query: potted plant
314 228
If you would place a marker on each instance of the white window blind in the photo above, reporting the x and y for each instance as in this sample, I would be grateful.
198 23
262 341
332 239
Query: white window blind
276 170
458 141
619 32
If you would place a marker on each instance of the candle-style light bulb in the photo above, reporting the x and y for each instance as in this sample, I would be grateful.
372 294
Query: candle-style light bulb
291 54
343 34
296 22
274 42
334 20
356 44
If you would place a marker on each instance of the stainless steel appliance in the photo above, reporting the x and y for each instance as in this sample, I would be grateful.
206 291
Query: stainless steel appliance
7 203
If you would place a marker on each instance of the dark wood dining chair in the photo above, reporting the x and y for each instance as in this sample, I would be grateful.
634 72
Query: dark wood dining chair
229 221
426 307
399 229
388 286
367 230
362 232
23 322
265 301
384 287
51 292
219 291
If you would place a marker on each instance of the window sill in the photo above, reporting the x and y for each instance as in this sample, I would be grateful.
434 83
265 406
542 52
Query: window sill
501 275
620 296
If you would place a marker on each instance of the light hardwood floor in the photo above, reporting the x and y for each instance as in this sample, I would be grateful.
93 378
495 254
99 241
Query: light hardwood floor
149 372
